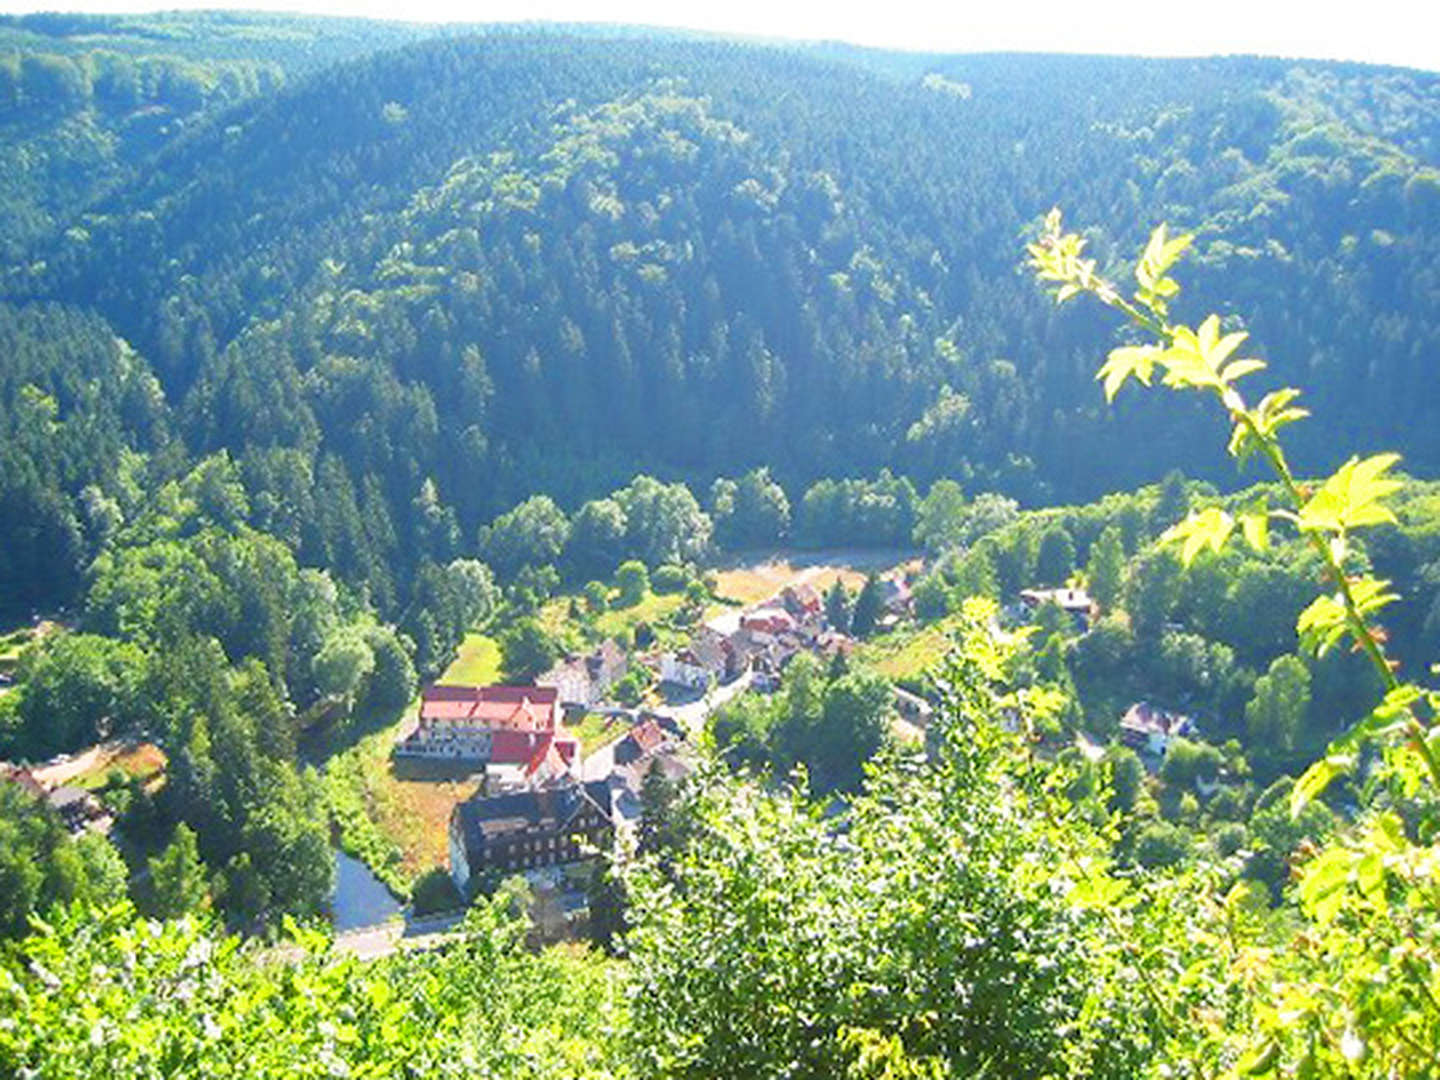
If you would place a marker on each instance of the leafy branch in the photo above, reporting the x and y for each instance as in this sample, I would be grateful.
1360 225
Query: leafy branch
1205 359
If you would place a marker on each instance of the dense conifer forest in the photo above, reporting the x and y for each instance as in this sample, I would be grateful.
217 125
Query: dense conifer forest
325 343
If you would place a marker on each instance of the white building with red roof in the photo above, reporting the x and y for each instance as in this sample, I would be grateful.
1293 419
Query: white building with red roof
502 724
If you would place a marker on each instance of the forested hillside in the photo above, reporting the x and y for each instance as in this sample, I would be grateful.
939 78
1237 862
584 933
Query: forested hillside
470 269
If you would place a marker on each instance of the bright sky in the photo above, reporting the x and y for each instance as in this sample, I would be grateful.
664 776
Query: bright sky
1405 32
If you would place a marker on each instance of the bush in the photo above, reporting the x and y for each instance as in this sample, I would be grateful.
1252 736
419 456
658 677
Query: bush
1228 839
633 581
1162 844
435 892
597 596
630 689
670 578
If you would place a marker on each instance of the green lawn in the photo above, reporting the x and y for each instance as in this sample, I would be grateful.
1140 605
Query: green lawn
477 664
909 652
13 641
595 731
655 608
394 815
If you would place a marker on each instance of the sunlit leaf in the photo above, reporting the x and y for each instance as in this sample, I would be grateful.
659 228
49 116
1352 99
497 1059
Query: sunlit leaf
1207 528
1127 360
1314 780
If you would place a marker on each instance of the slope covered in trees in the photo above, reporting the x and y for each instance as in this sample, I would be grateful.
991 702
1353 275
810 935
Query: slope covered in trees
548 262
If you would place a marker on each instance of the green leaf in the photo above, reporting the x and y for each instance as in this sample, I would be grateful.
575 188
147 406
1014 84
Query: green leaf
1317 778
1259 1059
1238 369
1370 875
1127 360
1255 524
1370 595
1274 408
1208 528
1322 887
1321 625
1160 254
1352 496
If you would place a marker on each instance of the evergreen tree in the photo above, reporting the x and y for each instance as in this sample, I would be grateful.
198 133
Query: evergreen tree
1105 570
177 877
1055 560
837 606
867 608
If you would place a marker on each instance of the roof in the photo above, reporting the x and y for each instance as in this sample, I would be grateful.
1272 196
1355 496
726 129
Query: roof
607 654
894 590
20 775
647 735
803 596
770 619
630 777
485 817
63 798
904 699
550 758
1144 718
518 708
725 624
1077 600
521 747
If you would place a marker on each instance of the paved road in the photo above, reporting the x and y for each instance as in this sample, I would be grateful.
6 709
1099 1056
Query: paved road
692 716
600 764
369 942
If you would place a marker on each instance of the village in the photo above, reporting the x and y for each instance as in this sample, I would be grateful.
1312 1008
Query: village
533 780
559 765
544 807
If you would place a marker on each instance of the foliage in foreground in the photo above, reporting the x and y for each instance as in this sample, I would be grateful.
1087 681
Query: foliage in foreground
927 929
108 994
1355 990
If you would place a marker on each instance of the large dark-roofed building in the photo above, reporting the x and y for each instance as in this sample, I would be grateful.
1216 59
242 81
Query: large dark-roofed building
527 830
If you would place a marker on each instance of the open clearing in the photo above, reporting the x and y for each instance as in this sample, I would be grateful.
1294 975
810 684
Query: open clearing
906 654
91 768
756 580
141 761
594 731
394 814
476 664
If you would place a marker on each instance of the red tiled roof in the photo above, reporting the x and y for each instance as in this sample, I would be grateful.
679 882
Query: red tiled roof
768 620
23 777
525 748
552 755
803 596
647 736
516 708
1144 718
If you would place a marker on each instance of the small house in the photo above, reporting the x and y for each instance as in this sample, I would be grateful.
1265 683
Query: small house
1076 603
1150 729
803 602
685 669
895 596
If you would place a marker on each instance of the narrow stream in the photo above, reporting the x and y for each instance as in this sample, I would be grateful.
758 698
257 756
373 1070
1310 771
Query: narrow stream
360 898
